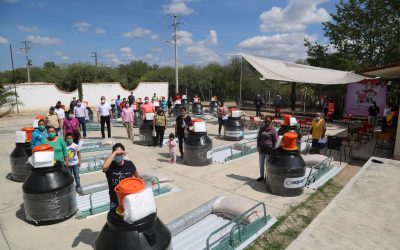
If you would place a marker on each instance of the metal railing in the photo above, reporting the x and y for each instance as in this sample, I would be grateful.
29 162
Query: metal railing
318 170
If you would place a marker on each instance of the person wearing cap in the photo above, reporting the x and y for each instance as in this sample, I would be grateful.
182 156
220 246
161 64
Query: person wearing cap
52 119
117 168
266 141
147 107
61 116
104 116
318 129
39 134
131 99
81 114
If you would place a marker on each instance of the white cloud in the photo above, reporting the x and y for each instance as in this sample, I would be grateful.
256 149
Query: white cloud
184 37
204 55
156 49
28 29
126 50
177 7
44 40
61 55
294 17
4 40
140 33
100 30
82 26
285 46
211 39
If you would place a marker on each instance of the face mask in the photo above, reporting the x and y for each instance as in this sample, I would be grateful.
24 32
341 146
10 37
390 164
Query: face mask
103 101
52 135
317 118
42 127
78 104
146 101
51 112
118 158
69 141
267 124
71 116
127 104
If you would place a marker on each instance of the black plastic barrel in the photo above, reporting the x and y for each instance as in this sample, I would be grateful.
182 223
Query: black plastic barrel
234 129
146 133
136 118
286 173
284 128
18 158
49 195
148 233
177 110
185 104
197 108
198 149
213 106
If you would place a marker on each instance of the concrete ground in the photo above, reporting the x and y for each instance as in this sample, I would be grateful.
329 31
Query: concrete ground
364 215
197 185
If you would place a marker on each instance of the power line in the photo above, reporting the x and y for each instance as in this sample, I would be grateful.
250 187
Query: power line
27 47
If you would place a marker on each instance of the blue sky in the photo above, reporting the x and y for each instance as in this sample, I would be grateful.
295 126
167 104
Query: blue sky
122 30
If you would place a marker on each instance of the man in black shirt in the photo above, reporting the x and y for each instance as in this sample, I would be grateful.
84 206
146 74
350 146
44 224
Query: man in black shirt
131 99
116 169
258 103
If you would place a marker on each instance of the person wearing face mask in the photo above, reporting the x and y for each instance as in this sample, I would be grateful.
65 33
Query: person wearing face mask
266 141
159 124
81 114
127 116
147 107
39 134
59 110
71 126
58 145
74 160
318 129
258 103
183 122
52 119
116 169
104 116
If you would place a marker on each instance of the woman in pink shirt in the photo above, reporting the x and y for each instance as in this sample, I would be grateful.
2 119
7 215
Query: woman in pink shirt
71 126
127 118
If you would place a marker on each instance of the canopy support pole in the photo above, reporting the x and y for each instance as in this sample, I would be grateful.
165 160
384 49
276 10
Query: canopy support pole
293 96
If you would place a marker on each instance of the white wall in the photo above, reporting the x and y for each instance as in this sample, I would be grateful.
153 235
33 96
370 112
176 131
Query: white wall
40 96
92 92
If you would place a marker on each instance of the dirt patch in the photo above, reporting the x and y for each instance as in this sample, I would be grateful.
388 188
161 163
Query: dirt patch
290 225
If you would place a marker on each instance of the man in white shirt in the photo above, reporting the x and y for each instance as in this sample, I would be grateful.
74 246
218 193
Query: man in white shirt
61 116
104 115
81 114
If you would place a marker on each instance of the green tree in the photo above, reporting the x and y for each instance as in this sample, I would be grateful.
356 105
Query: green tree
362 34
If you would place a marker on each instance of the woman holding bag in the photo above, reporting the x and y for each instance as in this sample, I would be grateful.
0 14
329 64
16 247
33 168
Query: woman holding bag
183 122
71 126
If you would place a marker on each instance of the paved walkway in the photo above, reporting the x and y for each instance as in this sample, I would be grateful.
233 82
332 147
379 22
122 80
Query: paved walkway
364 215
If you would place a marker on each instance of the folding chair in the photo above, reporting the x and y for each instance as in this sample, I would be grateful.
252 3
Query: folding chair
384 141
335 143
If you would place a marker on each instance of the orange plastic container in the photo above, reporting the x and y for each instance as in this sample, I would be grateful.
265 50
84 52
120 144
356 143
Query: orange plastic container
28 131
125 187
286 120
42 148
196 120
40 117
289 141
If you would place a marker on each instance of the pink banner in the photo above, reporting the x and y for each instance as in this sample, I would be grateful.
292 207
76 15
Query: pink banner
360 97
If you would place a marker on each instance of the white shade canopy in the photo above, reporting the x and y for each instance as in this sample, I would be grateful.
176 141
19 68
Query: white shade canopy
293 72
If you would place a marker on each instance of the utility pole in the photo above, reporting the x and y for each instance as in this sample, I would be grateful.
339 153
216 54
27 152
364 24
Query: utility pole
95 55
13 78
27 47
176 57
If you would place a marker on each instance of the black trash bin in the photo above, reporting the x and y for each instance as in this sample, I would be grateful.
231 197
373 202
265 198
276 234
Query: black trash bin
146 133
234 129
148 233
198 149
286 170
49 195
18 158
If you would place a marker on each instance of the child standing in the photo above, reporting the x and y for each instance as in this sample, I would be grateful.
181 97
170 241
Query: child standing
74 159
172 148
